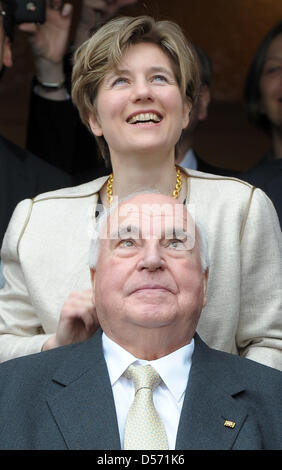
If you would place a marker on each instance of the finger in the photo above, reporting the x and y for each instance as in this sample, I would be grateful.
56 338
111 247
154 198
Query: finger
55 4
91 322
78 300
28 27
67 10
83 294
86 294
71 309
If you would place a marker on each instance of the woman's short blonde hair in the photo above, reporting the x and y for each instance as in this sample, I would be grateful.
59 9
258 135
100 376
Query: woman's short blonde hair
103 52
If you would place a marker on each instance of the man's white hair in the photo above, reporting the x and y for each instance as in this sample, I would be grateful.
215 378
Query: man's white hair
106 212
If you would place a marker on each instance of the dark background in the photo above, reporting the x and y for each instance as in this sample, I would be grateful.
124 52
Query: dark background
228 30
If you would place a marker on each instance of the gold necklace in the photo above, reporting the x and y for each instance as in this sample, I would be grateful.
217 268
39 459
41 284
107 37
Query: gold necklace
175 193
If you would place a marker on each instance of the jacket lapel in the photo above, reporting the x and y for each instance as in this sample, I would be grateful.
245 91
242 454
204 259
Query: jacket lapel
84 410
78 406
208 403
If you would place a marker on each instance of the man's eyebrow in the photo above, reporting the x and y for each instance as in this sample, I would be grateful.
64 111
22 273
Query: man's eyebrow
130 230
124 230
176 232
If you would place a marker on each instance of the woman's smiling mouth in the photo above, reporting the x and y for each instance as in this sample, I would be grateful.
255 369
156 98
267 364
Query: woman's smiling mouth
147 117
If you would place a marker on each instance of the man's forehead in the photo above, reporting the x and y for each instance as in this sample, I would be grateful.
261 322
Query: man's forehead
155 219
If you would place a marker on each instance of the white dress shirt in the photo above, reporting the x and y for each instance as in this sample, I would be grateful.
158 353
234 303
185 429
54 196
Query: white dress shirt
168 396
189 160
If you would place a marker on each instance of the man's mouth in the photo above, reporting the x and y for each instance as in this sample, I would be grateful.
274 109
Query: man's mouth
152 287
144 117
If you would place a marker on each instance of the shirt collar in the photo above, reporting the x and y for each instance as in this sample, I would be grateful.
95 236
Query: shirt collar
189 160
117 358
174 368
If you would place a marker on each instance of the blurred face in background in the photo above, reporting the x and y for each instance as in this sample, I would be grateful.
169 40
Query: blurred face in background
271 83
5 45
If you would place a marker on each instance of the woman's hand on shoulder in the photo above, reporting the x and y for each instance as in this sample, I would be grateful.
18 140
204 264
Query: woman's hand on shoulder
78 320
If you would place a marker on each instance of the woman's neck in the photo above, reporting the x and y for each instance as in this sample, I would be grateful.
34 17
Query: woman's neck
135 175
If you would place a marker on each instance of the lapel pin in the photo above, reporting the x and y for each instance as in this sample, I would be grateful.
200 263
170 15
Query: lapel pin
229 424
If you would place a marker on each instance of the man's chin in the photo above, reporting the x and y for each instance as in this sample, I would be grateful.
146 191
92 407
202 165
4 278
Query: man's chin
151 317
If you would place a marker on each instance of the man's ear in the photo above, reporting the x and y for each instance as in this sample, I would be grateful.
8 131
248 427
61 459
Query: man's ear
7 52
95 125
205 283
92 276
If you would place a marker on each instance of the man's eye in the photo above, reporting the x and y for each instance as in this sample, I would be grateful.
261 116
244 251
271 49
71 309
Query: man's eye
176 244
126 243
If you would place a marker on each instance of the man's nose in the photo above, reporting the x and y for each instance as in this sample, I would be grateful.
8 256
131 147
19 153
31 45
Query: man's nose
151 257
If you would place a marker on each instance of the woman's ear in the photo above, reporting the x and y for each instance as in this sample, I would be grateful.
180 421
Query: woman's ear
94 124
187 106
7 52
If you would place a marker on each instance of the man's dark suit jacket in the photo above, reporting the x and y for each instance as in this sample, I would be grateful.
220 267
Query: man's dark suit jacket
62 399
267 175
22 175
215 170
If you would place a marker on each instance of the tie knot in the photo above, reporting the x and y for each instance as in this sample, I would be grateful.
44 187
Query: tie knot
143 376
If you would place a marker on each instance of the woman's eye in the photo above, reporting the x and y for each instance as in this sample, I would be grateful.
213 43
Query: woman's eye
119 81
159 78
271 70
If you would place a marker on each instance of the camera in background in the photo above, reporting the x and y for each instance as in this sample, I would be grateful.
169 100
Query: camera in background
30 11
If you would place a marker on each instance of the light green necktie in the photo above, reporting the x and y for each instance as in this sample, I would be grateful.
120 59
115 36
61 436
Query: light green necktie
144 430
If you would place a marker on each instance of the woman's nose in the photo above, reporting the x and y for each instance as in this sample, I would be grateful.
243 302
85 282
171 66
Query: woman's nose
142 91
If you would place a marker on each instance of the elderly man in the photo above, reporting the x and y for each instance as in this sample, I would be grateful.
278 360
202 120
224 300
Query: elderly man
145 380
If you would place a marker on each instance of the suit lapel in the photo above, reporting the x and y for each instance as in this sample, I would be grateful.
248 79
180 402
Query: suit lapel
208 403
84 410
83 406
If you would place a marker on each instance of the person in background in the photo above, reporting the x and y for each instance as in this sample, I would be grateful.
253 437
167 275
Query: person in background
263 100
22 174
186 156
145 380
55 131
